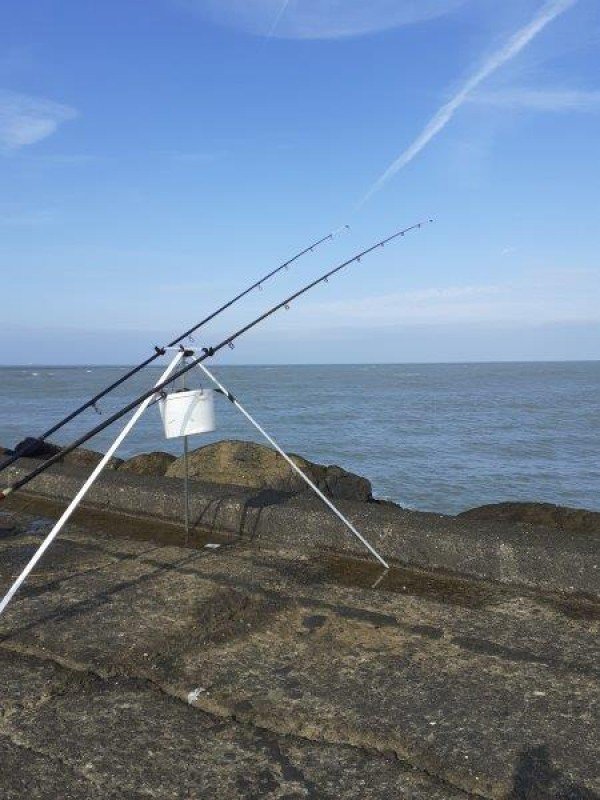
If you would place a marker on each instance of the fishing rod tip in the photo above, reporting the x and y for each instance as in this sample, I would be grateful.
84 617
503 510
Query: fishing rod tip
342 229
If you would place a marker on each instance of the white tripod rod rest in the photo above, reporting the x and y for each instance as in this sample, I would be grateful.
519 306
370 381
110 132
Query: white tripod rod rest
84 489
294 466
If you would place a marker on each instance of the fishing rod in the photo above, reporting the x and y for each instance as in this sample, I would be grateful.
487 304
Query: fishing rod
32 444
207 352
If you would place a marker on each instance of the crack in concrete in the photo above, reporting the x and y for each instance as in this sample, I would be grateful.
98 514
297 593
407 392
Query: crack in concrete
264 727
302 732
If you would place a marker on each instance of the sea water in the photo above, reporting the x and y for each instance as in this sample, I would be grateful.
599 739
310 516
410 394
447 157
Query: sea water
441 437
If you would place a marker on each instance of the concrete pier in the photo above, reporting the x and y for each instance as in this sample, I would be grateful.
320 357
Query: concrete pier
131 668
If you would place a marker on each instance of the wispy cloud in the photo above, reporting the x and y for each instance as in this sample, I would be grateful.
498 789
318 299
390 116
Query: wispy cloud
25 120
320 19
278 17
552 297
435 304
542 99
517 42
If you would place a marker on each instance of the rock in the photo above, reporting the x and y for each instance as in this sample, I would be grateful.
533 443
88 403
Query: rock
259 467
569 520
155 463
345 485
32 448
81 458
88 459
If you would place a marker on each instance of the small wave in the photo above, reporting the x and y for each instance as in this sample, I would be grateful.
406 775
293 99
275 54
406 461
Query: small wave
387 499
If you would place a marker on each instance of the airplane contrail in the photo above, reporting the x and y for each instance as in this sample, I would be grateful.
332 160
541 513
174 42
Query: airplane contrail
278 18
512 48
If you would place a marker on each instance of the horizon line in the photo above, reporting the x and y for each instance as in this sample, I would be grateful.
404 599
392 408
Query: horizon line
321 363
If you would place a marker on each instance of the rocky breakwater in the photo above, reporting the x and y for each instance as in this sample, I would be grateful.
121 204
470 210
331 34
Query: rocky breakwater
241 489
571 521
253 466
229 463
82 458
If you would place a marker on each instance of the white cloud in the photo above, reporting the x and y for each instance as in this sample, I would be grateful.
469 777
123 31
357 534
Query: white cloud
436 304
278 17
517 42
542 99
547 297
26 120
320 19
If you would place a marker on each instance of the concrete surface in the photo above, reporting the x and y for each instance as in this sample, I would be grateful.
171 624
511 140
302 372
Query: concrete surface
523 554
130 668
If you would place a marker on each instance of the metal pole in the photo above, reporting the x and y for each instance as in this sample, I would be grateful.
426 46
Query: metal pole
186 477
83 491
294 466
186 490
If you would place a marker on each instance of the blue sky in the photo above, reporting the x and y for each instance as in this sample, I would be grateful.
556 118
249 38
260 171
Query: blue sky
157 156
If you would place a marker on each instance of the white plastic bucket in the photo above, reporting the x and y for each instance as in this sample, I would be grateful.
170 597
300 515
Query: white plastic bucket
187 413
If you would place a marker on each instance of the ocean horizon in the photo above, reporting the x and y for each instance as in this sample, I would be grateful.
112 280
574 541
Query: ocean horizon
127 365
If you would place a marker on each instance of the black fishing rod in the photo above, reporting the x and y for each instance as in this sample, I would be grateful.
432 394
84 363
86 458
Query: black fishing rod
207 352
32 445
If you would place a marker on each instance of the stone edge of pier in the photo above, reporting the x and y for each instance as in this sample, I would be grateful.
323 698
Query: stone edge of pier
518 554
